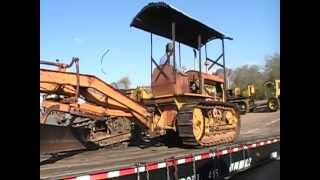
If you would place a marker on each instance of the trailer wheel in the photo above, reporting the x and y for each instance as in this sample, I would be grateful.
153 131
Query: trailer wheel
273 104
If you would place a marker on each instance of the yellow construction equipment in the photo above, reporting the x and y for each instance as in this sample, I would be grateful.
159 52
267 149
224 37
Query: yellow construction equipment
244 99
189 105
272 93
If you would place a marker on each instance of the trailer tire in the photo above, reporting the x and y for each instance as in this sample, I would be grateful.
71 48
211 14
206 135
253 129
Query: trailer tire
273 104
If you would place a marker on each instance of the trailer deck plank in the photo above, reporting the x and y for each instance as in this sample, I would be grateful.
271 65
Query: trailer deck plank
254 126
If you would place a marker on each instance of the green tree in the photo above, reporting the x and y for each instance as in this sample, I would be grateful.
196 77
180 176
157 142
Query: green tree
272 67
229 74
245 75
123 83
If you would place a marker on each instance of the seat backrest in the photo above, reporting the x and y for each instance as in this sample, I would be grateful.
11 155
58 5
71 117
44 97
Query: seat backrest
172 83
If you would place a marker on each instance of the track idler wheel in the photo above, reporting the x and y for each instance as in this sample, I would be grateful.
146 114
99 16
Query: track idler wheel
198 123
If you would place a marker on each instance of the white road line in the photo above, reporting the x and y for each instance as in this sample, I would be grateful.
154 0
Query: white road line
251 131
274 121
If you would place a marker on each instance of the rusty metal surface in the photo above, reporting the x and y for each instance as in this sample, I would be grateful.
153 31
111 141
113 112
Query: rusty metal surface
56 138
161 85
89 81
254 126
177 83
211 77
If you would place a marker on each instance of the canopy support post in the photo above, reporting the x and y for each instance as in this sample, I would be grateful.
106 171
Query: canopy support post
151 56
174 44
224 73
206 61
200 72
179 56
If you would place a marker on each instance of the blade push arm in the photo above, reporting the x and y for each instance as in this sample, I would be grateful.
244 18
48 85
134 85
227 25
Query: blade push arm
65 79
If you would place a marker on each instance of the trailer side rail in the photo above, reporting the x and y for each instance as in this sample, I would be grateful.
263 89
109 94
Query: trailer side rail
236 158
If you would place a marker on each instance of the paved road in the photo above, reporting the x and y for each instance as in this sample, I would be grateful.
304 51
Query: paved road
253 126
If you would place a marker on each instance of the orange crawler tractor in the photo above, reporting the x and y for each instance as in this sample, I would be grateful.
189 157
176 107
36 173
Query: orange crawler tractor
80 110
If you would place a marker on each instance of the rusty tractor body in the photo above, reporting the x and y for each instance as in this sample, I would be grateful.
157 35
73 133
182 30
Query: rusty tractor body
192 104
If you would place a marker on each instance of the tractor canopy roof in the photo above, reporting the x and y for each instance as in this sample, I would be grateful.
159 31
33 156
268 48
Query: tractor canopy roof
157 18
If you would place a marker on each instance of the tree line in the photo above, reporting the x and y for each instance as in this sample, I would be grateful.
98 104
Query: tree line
256 75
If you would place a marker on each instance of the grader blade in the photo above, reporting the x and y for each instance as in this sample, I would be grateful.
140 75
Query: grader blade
55 139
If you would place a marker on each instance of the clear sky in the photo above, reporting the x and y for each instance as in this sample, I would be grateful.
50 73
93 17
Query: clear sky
85 29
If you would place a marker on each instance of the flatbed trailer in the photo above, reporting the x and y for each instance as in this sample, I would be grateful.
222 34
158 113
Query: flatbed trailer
259 142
